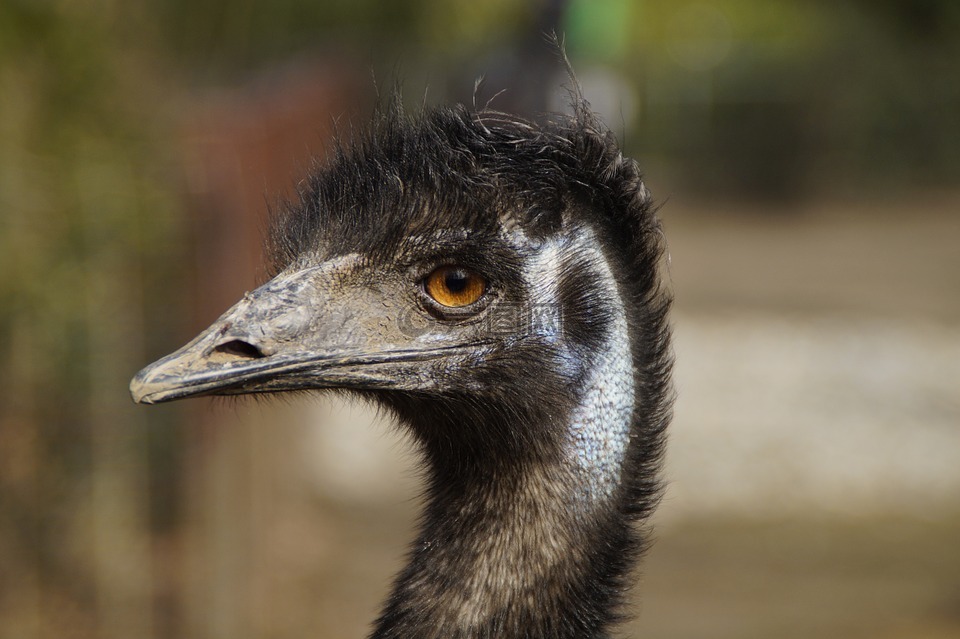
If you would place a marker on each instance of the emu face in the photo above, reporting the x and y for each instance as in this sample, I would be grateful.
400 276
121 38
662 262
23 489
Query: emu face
426 260
440 318
427 320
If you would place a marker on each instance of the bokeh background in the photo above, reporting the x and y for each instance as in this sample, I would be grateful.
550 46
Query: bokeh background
807 154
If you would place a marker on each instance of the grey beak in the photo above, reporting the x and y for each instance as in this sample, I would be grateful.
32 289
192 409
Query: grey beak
263 337
299 331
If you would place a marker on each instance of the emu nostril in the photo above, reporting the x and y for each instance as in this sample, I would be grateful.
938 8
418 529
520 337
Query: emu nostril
239 348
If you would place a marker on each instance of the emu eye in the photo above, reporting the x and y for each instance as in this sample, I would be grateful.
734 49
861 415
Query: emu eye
454 286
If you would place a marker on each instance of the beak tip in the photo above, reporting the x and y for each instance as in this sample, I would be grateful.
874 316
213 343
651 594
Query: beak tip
140 388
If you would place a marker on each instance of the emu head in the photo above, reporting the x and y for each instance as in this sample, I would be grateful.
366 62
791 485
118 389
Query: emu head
460 264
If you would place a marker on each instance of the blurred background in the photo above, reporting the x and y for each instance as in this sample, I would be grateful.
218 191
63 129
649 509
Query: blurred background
807 154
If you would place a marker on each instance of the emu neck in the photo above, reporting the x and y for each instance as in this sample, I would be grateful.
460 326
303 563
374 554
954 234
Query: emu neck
515 553
529 546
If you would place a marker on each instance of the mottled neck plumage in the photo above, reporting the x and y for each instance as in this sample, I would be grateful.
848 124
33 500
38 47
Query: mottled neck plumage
518 551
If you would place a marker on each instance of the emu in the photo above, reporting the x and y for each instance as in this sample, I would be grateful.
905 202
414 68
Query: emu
494 283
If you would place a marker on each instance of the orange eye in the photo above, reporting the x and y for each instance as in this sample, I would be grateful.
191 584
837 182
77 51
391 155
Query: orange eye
454 286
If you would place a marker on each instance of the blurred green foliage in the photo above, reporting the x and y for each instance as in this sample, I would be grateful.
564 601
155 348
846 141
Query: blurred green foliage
235 37
750 98
88 238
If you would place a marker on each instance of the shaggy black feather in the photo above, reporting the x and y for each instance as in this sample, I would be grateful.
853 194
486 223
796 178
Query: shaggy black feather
503 552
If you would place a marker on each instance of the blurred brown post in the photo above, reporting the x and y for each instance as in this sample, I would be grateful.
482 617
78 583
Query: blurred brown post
244 149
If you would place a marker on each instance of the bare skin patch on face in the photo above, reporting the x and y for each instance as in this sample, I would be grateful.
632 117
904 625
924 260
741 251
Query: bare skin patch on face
598 429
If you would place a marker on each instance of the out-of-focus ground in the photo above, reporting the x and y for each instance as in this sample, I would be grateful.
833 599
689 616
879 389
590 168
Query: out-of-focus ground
814 462
815 454
819 354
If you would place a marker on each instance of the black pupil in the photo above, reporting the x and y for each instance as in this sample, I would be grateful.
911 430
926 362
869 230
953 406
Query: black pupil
456 280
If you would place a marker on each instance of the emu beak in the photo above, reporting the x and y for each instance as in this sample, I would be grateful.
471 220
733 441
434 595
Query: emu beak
299 331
